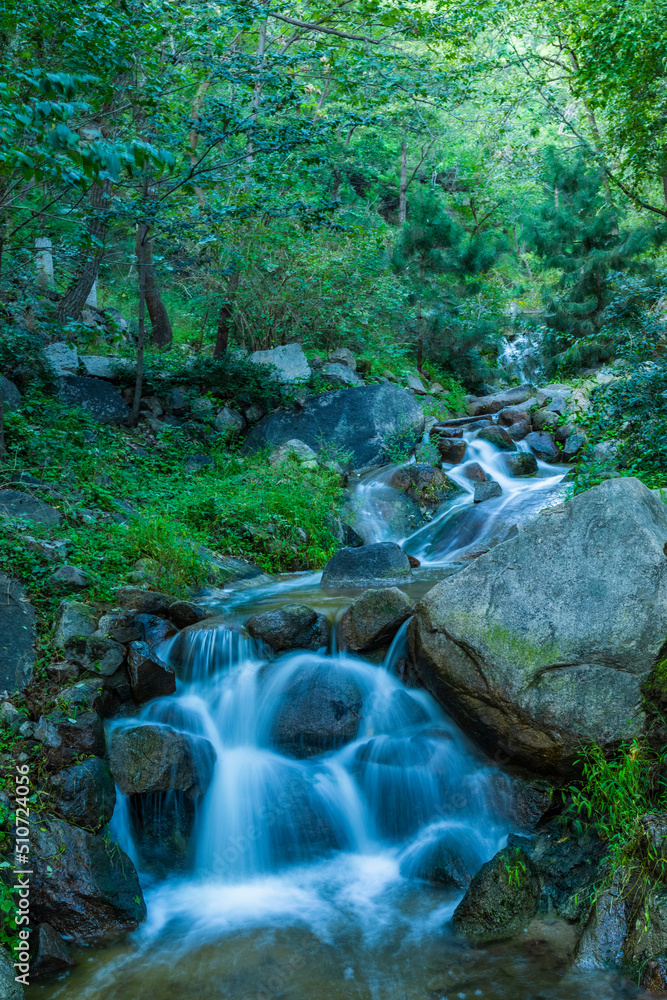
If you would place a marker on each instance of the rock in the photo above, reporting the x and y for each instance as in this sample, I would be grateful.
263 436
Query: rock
486 491
51 954
102 656
427 454
452 859
569 867
66 736
14 503
521 463
415 383
54 550
85 793
228 572
474 472
195 463
424 484
373 619
543 644
654 976
145 602
229 423
319 711
452 450
554 390
341 375
517 419
343 356
17 636
9 988
95 397
497 436
155 630
543 446
604 452
120 626
297 450
478 406
9 394
365 426
109 367
290 362
184 613
381 564
62 671
502 898
294 626
147 759
574 444
62 358
70 576
149 677
545 420
79 886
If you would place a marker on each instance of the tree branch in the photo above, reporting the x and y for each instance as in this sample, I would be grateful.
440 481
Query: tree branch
327 31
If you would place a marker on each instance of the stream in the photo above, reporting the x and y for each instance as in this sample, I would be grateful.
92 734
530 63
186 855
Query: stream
304 880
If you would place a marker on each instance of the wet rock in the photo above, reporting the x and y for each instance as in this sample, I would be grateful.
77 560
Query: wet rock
162 825
424 484
344 356
9 395
296 450
79 886
67 735
319 712
380 564
63 358
95 397
654 976
15 503
70 576
486 491
144 602
184 613
85 793
17 635
147 759
149 677
569 868
229 423
497 436
450 859
155 630
294 626
452 450
401 515
9 988
496 401
373 619
228 572
120 626
474 472
102 656
502 898
543 446
521 463
51 954
550 659
366 425
290 361
517 419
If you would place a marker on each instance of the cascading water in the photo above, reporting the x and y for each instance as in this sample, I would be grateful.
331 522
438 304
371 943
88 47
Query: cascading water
345 812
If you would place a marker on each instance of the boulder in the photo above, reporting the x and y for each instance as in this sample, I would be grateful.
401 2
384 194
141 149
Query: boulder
147 759
517 419
97 398
452 450
17 635
542 645
569 868
415 383
381 564
340 375
120 626
53 550
365 426
184 613
51 954
575 443
68 736
424 484
294 626
63 358
555 390
70 576
15 503
478 406
85 793
229 423
521 463
487 490
297 450
545 420
543 446
102 656
497 436
373 619
145 602
474 472
155 630
343 356
9 394
149 677
290 362
79 886
9 988
450 859
108 367
320 711
502 898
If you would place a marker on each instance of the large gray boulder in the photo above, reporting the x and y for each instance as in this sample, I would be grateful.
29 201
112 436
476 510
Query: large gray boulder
373 619
9 394
320 711
496 401
146 759
542 645
94 396
381 564
502 898
16 503
294 626
17 635
290 361
85 793
361 428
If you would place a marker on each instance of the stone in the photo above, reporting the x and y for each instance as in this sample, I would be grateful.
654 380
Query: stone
149 677
184 613
569 868
17 635
51 954
145 602
517 417
85 793
497 436
424 484
70 576
521 463
195 463
340 375
478 406
102 656
15 503
155 630
343 356
97 398
120 626
427 454
487 491
150 758
543 446
319 711
67 736
545 420
575 443
294 449
604 452
228 423
452 450
9 394
414 383
451 860
289 361
63 358
381 564
109 367
63 671
373 619
79 886
364 426
9 988
53 551
474 472
502 898
543 644
555 390
294 626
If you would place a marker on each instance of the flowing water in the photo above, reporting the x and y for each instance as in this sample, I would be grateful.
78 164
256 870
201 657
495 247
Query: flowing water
307 878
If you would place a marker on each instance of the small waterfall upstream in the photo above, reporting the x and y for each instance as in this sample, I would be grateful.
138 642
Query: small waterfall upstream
329 870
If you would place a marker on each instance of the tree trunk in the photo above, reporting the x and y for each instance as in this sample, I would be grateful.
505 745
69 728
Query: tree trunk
140 246
74 299
403 190
162 334
225 316
664 186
